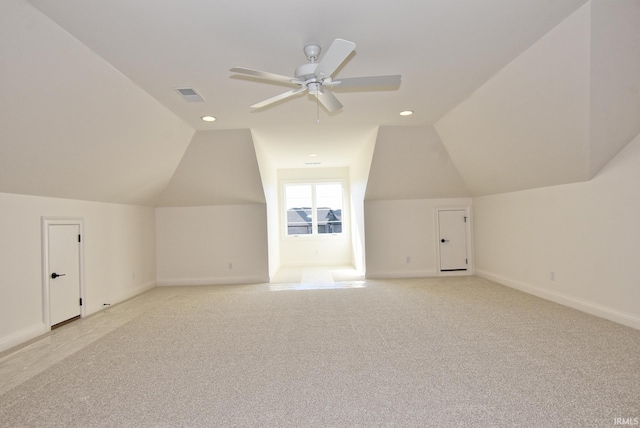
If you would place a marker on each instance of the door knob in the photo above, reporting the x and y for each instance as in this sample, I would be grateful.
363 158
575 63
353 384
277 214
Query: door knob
444 240
55 275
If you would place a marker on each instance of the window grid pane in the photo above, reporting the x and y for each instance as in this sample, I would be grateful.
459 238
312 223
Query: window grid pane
313 208
299 203
329 207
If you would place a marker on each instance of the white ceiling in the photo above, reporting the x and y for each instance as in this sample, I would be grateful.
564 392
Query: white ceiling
444 50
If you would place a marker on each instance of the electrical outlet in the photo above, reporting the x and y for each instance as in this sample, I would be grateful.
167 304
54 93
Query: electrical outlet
230 265
552 276
408 259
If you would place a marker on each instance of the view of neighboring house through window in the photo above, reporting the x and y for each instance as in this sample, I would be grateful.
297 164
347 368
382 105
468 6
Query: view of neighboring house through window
313 209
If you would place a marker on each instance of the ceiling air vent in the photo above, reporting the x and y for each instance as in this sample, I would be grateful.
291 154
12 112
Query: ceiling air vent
190 95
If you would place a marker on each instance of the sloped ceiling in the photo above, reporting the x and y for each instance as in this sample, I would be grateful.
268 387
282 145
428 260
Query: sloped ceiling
218 168
444 50
528 126
71 125
615 78
411 162
522 94
557 113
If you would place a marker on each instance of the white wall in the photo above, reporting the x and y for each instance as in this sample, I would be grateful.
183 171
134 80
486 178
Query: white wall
269 178
359 176
119 257
316 250
195 245
587 233
397 229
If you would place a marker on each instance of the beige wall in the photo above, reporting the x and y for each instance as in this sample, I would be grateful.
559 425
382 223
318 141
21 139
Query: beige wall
398 229
588 234
195 245
119 258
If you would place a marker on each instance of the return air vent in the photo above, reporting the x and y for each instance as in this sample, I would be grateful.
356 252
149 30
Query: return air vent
190 95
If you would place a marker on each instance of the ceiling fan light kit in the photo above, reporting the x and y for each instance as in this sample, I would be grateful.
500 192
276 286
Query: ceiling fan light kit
316 77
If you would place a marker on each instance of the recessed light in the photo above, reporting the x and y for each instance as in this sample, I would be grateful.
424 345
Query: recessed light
313 155
406 113
208 118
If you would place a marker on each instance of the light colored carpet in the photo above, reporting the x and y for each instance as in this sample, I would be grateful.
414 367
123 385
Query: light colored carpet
317 278
458 351
317 275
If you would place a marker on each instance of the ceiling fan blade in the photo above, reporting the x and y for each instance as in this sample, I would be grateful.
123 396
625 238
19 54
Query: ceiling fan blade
279 97
329 101
367 81
264 75
336 54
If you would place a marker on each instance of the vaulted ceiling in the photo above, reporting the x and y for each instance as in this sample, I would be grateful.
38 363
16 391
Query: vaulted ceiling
509 94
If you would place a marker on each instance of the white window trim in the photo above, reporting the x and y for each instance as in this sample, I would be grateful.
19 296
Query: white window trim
315 235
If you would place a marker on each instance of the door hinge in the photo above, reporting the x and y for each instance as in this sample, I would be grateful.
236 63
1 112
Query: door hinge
465 218
81 301
466 261
79 238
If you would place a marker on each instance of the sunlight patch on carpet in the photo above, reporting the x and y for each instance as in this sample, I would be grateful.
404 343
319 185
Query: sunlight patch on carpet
317 286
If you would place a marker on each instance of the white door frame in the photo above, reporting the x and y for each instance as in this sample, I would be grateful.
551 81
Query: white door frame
468 231
46 222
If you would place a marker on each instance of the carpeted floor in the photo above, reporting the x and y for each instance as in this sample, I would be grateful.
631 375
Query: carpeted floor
458 351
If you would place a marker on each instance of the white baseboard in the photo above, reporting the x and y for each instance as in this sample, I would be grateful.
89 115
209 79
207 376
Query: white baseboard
415 274
127 294
212 281
400 274
319 263
120 297
22 336
619 317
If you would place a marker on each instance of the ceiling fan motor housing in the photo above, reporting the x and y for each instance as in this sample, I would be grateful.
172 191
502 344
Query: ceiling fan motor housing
306 71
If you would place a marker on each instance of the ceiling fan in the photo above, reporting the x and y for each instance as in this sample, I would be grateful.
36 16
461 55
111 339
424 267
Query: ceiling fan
316 77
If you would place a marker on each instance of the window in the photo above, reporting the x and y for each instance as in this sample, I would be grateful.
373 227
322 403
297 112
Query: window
313 209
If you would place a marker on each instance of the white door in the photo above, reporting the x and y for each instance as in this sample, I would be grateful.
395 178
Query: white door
64 272
452 226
